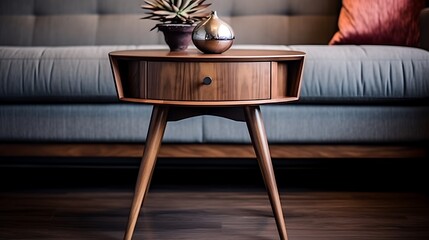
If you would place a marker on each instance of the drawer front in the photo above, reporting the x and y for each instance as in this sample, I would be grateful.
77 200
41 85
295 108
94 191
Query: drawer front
208 81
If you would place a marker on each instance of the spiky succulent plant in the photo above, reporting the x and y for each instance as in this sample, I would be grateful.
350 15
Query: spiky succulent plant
176 11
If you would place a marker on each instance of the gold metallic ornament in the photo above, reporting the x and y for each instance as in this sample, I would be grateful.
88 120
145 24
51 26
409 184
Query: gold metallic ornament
213 35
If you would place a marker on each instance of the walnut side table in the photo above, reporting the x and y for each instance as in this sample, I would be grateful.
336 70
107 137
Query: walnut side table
180 85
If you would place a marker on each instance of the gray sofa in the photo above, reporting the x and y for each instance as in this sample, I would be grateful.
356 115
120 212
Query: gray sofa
56 84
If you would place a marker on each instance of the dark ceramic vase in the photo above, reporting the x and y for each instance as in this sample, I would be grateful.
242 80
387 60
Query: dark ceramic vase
177 36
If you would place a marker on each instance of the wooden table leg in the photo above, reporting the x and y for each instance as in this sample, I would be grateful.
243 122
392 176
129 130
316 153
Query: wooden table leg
260 144
155 133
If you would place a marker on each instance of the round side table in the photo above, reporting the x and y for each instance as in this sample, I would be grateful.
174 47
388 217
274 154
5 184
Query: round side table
180 85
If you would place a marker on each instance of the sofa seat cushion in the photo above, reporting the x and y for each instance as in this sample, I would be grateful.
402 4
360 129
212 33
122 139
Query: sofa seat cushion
58 74
55 74
331 73
364 73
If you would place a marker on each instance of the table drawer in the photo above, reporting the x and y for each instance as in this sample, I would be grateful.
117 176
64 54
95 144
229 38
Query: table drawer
208 81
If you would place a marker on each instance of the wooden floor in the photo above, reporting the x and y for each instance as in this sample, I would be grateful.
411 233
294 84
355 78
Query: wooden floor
91 203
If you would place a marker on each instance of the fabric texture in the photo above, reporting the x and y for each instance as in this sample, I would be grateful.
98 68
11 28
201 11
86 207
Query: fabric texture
393 22
334 74
58 74
367 73
292 123
117 22
288 123
424 29
88 123
58 85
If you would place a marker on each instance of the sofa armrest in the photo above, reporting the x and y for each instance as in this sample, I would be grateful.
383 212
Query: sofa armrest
424 29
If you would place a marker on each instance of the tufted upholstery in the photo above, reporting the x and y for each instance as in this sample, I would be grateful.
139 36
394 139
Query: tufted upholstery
112 22
66 94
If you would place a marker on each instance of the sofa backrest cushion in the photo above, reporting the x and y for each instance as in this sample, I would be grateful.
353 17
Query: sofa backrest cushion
113 22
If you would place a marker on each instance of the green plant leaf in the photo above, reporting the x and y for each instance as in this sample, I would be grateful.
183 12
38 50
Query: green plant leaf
185 4
178 3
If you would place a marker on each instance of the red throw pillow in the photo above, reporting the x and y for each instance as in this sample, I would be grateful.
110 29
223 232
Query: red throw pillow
394 22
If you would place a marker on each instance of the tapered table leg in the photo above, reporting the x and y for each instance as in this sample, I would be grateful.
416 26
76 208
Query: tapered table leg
260 144
156 130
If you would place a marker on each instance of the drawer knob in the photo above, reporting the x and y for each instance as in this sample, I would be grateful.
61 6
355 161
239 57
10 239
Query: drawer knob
207 81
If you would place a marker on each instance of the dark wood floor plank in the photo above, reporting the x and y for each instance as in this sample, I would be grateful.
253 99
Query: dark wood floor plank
190 213
394 151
